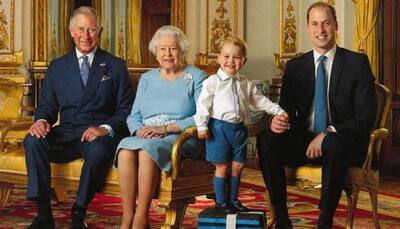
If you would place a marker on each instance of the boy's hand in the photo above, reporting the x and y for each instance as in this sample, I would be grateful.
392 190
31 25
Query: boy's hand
285 116
280 123
203 134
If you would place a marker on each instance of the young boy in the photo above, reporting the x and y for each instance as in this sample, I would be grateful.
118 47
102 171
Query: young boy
222 108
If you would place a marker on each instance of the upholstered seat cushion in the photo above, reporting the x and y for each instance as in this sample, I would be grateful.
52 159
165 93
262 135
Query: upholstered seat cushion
308 172
13 161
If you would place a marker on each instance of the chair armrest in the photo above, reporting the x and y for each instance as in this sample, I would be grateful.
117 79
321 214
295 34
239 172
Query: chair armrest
376 138
13 124
190 132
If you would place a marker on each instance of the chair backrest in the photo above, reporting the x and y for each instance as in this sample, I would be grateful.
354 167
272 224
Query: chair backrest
11 94
384 98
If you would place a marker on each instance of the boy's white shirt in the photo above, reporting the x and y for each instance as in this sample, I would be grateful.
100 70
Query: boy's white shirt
228 98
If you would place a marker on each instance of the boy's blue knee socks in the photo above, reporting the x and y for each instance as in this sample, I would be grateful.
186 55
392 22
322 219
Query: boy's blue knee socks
219 189
234 189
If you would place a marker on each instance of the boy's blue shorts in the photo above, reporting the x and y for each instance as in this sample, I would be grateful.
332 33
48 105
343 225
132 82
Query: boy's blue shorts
227 142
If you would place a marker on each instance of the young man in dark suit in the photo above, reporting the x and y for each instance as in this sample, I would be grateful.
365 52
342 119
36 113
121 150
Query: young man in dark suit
89 90
331 103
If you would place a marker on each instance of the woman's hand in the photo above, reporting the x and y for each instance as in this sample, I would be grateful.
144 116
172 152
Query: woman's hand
151 132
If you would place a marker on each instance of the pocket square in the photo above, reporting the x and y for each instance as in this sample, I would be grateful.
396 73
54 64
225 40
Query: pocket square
105 77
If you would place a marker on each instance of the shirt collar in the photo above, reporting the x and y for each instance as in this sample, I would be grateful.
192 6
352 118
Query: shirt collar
330 54
89 55
225 76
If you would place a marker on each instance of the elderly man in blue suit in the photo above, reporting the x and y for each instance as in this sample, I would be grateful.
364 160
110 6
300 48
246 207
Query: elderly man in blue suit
90 91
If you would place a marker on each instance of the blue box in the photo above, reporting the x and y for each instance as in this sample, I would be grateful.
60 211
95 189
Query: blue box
211 218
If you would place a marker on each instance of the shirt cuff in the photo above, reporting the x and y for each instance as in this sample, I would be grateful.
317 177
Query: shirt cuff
280 111
109 129
331 129
201 128
44 120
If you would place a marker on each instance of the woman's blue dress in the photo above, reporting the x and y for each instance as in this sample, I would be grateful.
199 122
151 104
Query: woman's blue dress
160 102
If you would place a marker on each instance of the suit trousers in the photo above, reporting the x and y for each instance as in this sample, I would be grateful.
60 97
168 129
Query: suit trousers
277 150
39 152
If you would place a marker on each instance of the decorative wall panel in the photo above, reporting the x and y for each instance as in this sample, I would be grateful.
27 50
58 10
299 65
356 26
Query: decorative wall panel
223 18
10 59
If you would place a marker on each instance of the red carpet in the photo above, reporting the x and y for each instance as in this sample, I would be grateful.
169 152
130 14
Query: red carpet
105 210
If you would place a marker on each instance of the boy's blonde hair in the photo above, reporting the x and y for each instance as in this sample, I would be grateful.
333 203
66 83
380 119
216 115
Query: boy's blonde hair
235 41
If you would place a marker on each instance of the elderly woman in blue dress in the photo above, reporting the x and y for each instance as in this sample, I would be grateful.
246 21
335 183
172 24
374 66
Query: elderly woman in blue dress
164 106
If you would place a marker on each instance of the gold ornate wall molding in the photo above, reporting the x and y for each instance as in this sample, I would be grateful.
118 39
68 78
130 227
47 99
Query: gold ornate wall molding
39 34
288 35
178 14
222 20
10 59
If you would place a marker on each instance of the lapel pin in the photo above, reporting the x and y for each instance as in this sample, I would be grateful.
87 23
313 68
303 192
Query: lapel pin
102 64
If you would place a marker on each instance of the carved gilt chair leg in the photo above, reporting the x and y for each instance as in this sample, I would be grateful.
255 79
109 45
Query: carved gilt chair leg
175 211
373 194
59 195
352 197
5 190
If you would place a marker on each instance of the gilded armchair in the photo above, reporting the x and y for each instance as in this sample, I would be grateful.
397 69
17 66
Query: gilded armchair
11 120
366 177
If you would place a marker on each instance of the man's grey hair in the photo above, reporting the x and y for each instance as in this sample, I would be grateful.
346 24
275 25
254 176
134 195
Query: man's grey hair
85 10
169 31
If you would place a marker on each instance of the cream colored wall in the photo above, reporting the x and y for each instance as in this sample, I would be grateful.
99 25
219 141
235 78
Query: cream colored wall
261 32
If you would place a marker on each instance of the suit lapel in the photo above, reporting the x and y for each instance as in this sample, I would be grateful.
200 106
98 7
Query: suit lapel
337 67
99 66
309 81
73 74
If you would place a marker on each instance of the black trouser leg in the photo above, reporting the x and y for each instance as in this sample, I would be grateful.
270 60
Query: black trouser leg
272 168
334 172
275 151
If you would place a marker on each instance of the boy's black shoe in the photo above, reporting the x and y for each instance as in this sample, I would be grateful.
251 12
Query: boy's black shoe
226 208
239 206
41 222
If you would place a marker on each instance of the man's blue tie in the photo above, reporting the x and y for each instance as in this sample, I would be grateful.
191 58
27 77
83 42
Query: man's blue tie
85 70
320 98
